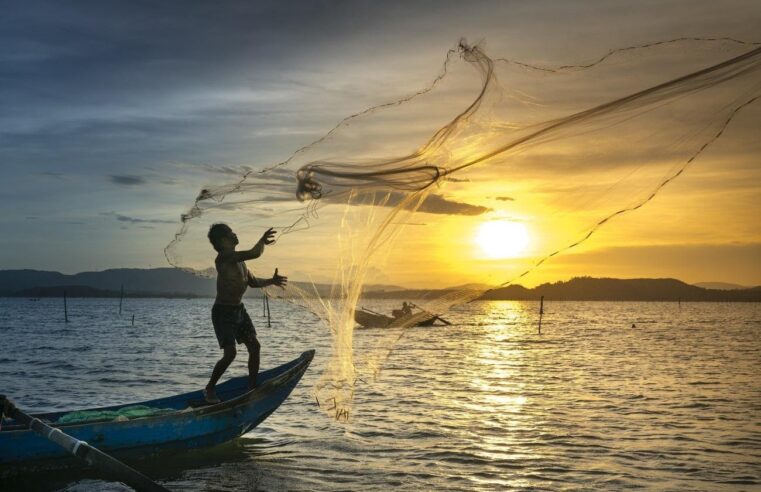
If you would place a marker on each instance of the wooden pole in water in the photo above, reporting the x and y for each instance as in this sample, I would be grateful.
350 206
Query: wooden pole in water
264 303
267 301
65 308
121 299
133 319
541 312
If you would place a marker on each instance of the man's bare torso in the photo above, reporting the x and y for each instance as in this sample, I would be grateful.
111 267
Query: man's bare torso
232 282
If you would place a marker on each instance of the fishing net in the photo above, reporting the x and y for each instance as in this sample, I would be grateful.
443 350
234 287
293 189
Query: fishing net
124 413
396 193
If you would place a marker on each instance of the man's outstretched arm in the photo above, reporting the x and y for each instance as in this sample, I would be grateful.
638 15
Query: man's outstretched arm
276 279
237 256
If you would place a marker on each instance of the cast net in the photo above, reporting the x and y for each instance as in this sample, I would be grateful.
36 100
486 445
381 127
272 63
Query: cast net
394 194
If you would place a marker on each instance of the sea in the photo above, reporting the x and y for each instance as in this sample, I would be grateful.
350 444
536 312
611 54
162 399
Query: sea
609 396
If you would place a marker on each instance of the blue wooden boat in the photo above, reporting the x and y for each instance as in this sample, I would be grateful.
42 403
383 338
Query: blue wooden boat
22 451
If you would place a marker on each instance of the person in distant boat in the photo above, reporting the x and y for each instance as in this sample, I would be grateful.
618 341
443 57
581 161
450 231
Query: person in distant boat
228 315
406 309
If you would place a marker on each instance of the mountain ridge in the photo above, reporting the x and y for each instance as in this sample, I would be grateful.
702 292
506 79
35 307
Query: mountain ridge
173 283
598 289
145 282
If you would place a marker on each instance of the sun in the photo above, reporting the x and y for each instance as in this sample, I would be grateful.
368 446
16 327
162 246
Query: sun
502 239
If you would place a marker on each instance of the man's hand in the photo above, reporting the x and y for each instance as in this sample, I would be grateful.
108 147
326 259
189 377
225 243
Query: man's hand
268 237
279 280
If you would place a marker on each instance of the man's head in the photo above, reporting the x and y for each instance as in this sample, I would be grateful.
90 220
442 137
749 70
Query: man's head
222 237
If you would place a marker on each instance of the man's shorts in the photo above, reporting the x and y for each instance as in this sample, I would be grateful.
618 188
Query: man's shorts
231 324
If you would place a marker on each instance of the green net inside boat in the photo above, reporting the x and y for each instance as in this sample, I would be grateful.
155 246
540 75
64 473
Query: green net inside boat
124 413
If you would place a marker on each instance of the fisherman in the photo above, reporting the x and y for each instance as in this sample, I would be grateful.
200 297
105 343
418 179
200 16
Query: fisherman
229 317
406 309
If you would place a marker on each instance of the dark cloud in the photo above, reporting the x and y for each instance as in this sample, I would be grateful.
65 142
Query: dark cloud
228 170
437 204
126 180
504 198
433 204
136 220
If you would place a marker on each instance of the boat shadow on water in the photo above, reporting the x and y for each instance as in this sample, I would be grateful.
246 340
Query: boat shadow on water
197 469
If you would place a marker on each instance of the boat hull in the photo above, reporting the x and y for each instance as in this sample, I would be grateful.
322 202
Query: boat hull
371 320
22 451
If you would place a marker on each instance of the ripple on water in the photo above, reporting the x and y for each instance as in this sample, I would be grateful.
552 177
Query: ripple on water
485 404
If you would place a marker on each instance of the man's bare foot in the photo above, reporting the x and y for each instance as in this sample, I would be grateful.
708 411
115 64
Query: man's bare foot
251 386
210 396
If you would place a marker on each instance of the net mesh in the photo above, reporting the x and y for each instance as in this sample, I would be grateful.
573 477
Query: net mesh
390 193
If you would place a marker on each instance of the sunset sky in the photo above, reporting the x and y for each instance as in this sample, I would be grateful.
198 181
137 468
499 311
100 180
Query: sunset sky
114 116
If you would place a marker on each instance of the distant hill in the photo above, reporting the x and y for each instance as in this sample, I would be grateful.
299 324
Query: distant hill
720 286
591 289
612 289
154 282
171 282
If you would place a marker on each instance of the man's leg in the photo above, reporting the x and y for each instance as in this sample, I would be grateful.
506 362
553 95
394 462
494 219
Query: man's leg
253 361
220 367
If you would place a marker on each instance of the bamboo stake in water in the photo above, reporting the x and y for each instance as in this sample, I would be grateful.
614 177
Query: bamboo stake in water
267 302
541 312
121 299
65 308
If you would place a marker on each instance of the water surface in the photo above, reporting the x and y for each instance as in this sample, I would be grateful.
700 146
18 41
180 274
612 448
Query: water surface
484 404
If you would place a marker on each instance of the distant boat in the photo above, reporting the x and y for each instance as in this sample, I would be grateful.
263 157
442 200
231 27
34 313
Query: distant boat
22 451
370 319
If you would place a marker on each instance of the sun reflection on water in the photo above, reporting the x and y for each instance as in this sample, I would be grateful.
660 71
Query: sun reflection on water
484 404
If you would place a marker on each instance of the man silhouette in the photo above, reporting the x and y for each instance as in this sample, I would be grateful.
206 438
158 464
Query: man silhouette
228 315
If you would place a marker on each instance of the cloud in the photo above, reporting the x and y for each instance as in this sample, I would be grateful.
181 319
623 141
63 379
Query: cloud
437 204
504 198
136 220
126 180
227 170
433 204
